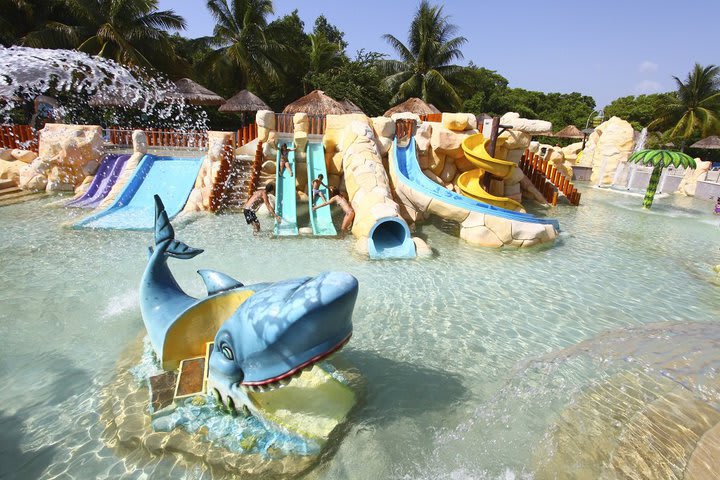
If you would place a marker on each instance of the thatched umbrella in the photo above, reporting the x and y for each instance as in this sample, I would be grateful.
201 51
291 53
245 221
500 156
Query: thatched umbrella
413 105
571 131
242 102
709 143
196 94
351 107
316 103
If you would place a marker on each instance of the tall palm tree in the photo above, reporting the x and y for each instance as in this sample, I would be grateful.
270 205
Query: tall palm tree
425 67
323 56
240 34
131 32
35 23
695 107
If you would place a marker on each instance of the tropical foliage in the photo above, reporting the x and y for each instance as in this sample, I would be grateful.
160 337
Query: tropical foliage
425 68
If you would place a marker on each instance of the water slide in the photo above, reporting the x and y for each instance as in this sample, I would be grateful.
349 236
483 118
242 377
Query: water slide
285 195
409 173
103 181
134 208
320 219
470 182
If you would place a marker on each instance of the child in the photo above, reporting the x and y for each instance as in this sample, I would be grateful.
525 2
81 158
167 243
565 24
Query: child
340 201
316 184
254 202
284 162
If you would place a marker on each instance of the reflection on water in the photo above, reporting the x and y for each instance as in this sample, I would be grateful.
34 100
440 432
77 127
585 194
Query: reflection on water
476 363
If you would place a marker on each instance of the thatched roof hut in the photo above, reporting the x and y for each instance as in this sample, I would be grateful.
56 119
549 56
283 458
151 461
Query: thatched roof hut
413 105
243 101
316 103
196 94
709 143
351 107
571 131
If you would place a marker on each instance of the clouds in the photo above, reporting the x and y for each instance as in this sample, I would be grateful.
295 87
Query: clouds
648 86
648 67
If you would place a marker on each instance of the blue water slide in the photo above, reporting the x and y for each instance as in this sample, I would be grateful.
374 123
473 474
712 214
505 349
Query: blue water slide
285 195
408 171
103 181
134 209
320 219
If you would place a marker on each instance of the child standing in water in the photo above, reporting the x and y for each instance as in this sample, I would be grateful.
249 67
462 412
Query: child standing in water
253 203
284 162
340 201
316 193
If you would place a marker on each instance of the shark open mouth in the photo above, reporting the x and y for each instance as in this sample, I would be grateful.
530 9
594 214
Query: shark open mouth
283 379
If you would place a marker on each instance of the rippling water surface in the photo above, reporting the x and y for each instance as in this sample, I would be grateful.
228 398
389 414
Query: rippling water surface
475 361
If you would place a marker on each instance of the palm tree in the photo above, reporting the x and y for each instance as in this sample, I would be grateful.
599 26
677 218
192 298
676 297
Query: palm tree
323 57
695 107
425 67
240 34
131 32
659 159
35 23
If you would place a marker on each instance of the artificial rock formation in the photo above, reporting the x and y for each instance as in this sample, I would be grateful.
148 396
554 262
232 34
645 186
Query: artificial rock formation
67 155
334 143
607 148
688 184
366 181
12 161
140 147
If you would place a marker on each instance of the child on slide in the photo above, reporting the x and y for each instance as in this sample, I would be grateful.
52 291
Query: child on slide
339 200
284 162
316 193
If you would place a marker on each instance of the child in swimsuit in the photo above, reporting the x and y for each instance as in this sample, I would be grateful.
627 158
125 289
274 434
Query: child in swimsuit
253 204
284 162
316 193
340 201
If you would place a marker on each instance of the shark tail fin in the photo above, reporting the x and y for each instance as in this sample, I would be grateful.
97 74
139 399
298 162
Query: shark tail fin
165 235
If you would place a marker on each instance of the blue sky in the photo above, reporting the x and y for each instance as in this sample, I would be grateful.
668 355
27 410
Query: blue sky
604 49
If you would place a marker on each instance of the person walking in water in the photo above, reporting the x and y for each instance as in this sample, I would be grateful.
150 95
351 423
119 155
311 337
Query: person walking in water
253 204
338 199
284 162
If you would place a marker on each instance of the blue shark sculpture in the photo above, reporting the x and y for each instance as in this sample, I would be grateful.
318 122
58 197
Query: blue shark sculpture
263 334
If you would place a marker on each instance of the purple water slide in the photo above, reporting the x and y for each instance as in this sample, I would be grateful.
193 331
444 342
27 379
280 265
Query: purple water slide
105 177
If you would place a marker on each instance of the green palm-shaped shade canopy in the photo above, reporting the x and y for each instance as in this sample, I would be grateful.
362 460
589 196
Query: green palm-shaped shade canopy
662 158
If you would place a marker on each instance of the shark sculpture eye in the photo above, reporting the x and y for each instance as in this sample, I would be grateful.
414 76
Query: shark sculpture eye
227 351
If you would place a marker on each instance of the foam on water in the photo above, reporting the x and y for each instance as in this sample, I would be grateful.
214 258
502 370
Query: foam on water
469 358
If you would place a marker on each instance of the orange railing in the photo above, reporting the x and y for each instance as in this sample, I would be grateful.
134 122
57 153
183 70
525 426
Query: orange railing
256 166
284 123
18 136
246 134
159 137
548 179
431 117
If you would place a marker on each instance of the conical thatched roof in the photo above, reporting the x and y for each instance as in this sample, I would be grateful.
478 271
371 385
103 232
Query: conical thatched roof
413 105
316 103
571 131
350 107
244 101
196 94
710 143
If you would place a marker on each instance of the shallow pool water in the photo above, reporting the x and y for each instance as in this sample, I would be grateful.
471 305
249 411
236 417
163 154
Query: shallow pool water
469 359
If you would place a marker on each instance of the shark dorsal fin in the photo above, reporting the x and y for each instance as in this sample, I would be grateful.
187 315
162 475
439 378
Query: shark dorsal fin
217 282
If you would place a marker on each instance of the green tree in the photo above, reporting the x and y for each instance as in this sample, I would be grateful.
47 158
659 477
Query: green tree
358 80
425 67
639 111
331 32
131 32
245 51
35 23
694 109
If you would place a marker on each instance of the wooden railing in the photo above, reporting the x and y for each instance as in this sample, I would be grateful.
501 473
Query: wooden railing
256 166
548 179
431 117
284 123
160 137
246 134
18 136
222 183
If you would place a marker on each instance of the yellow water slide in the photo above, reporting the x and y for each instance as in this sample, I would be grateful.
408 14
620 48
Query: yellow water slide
471 182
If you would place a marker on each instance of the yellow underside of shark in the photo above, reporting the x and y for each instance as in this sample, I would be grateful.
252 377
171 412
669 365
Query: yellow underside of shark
470 183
